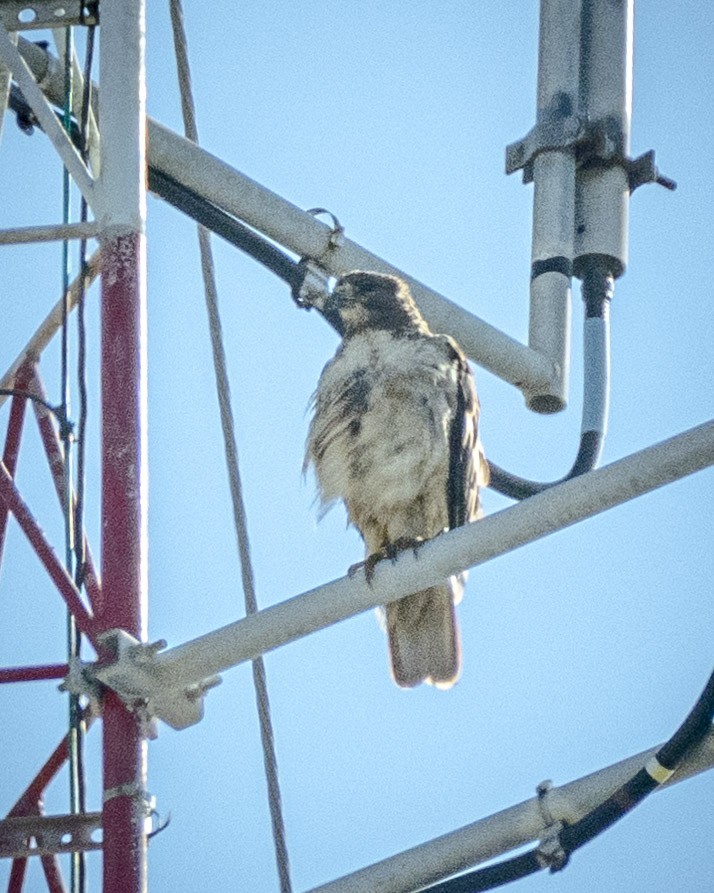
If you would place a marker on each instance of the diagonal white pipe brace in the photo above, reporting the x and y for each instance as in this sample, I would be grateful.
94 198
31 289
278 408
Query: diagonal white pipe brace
505 830
450 553
71 159
306 236
93 139
5 82
51 324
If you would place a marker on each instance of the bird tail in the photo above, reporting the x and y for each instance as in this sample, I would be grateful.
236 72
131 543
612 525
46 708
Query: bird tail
423 635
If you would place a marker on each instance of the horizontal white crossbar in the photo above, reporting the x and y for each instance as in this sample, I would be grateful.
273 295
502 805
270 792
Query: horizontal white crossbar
50 233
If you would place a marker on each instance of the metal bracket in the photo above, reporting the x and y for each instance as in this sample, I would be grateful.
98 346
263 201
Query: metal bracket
558 128
40 835
602 145
595 143
643 170
133 674
549 853
313 286
77 682
337 236
32 14
17 15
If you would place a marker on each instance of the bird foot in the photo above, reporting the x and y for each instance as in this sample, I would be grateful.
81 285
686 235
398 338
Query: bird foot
401 544
353 569
390 551
368 566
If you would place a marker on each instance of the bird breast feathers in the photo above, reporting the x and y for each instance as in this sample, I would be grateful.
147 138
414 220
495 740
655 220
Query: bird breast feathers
384 406
384 356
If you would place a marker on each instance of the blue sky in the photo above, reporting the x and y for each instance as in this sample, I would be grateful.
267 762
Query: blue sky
579 650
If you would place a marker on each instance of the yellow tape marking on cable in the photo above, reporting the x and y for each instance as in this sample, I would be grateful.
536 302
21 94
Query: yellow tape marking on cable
657 771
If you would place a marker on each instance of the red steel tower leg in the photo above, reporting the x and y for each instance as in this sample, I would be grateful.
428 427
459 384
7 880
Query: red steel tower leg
123 296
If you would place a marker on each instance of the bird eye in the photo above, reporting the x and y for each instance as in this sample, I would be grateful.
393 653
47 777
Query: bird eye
341 293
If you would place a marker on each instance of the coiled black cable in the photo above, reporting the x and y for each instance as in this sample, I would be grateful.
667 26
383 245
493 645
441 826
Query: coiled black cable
222 224
597 291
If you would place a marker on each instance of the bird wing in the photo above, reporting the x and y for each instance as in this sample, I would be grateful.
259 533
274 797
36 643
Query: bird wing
468 469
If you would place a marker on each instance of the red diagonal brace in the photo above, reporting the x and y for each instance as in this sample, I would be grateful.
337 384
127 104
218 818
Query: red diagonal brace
30 802
55 458
53 875
10 496
17 876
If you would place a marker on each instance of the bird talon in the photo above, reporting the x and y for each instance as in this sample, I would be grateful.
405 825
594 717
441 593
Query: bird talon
354 568
368 566
402 544
391 551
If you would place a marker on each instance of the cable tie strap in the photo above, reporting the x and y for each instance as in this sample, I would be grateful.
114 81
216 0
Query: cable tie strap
549 853
311 284
133 790
337 236
657 771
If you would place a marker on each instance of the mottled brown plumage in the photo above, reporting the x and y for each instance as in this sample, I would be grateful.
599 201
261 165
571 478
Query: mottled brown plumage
395 436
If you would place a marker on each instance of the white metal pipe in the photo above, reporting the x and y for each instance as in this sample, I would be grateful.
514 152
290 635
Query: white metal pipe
45 115
49 233
558 55
448 554
606 63
554 198
603 193
123 123
553 206
549 327
46 69
602 217
505 830
303 234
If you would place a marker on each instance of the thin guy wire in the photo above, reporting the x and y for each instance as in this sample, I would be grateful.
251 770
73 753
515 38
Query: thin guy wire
78 520
231 449
81 327
76 787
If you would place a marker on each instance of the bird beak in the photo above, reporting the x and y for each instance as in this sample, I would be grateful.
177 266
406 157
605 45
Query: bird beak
311 290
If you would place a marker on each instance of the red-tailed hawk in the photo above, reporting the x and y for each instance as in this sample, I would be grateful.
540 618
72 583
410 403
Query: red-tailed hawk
395 436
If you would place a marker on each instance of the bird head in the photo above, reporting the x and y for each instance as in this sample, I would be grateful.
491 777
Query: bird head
366 300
